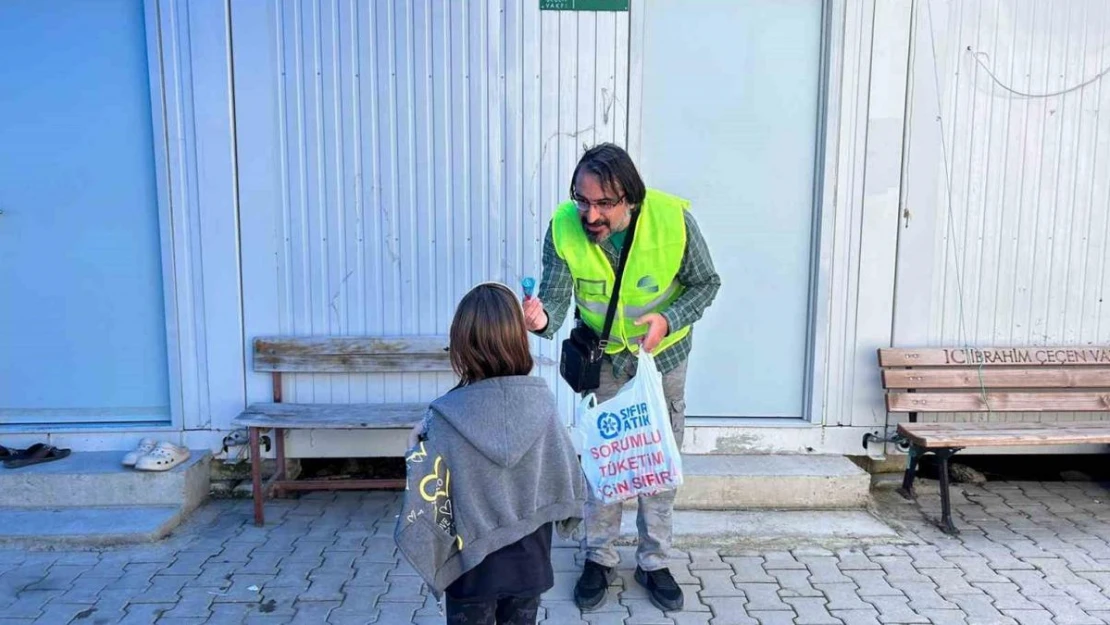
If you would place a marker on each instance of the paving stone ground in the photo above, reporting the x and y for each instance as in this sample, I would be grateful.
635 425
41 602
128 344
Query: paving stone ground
1028 553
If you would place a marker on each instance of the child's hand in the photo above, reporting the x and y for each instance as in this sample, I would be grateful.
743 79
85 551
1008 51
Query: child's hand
414 435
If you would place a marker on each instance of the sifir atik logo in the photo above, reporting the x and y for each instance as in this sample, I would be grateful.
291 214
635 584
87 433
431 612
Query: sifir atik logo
611 424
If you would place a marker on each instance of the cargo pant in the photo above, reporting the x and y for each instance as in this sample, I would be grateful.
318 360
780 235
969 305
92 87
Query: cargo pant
653 516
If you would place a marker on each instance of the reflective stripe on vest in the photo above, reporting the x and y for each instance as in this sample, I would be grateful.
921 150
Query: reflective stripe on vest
602 308
649 283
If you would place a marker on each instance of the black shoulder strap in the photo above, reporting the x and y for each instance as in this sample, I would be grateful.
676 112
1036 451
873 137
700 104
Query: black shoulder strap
617 284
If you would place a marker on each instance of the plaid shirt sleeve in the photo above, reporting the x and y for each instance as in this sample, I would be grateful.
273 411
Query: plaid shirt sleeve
698 275
556 287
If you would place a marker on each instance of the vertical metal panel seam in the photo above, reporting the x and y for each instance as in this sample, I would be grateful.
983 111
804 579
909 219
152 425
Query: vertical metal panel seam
1005 177
391 215
466 165
305 260
376 147
1039 165
285 302
985 205
413 184
866 59
1055 183
430 237
815 239
491 213
1077 144
448 136
338 298
507 255
176 309
1105 204
968 334
190 192
359 187
244 363
1021 208
184 124
1090 201
321 166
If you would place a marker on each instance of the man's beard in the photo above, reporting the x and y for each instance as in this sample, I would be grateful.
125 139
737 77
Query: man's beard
602 230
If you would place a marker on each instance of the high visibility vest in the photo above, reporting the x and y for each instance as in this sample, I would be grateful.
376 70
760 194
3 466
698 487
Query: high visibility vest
650 276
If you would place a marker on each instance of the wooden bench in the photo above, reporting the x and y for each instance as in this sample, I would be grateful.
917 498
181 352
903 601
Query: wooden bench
372 355
993 380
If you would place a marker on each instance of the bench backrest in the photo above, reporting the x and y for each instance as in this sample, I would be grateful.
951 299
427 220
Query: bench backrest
351 354
1007 379
348 354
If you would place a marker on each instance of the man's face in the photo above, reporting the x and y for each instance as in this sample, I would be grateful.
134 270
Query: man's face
603 210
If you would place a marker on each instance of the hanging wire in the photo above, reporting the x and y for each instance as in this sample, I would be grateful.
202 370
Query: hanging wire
979 56
958 256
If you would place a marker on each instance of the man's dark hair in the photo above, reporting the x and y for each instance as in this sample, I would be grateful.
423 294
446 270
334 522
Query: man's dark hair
614 168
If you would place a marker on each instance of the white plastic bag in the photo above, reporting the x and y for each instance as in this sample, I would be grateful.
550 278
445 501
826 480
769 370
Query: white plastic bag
629 447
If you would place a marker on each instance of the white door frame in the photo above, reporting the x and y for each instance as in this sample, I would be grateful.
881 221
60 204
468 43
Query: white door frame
864 136
164 176
189 47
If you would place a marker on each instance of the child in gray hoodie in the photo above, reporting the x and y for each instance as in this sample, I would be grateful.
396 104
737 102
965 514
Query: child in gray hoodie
490 470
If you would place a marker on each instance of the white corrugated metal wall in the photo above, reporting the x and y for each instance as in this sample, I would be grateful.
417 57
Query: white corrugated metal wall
295 183
393 154
322 190
1005 239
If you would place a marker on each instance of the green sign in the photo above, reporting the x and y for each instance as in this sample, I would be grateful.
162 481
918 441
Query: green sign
583 5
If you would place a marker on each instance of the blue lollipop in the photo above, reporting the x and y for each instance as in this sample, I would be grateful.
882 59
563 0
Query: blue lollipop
529 285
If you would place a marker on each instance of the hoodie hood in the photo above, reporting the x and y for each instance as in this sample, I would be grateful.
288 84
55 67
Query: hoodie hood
501 417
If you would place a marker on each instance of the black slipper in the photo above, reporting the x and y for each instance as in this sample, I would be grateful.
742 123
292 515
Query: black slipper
36 454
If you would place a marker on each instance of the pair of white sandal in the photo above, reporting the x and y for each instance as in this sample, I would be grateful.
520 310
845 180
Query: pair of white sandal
152 455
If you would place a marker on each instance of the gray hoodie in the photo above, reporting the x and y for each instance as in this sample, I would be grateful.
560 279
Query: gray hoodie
497 463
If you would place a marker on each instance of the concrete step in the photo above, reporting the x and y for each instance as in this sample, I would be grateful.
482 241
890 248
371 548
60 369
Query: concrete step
87 526
770 529
96 478
780 481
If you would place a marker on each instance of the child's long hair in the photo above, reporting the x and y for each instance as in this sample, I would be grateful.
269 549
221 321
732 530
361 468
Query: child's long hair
488 336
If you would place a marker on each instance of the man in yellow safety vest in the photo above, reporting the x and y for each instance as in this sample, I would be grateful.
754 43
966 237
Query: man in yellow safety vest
668 282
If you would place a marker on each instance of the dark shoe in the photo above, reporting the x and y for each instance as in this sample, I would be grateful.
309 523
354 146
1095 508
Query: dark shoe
664 591
593 586
35 454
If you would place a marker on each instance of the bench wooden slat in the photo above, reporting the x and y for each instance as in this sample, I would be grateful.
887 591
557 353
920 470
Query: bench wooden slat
931 435
1074 377
998 402
352 354
996 357
332 416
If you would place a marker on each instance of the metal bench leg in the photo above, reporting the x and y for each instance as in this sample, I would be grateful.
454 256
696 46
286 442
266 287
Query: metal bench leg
946 524
911 472
256 476
279 447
